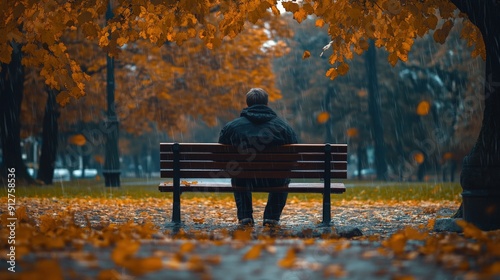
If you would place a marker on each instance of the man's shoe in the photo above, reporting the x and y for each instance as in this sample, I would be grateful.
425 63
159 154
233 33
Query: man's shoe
246 222
270 222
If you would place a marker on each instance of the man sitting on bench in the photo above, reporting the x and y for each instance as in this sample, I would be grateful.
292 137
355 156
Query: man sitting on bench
258 127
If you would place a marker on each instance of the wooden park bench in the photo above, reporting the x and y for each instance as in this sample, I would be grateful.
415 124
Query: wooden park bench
213 160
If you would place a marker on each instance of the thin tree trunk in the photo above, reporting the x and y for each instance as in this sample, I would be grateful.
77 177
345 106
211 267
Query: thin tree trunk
111 170
49 140
374 110
11 96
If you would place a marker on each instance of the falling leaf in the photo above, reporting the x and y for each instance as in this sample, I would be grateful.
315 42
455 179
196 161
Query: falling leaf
423 108
77 139
323 117
306 54
352 132
418 157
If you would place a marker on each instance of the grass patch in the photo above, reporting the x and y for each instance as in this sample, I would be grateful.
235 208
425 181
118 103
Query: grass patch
134 188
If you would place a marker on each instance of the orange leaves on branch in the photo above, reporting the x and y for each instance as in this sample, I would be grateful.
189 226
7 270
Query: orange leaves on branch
332 73
393 58
474 37
441 34
291 6
392 6
431 21
5 53
343 68
320 22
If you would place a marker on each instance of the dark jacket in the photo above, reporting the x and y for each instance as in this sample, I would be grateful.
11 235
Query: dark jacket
257 127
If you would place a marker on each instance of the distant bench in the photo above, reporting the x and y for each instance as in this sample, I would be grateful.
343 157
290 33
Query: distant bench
213 160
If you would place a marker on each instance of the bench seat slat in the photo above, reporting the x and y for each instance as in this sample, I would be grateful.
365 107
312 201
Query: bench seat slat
226 187
336 174
254 157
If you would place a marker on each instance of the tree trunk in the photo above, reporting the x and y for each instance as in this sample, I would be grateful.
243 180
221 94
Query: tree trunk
374 110
85 163
111 170
11 96
480 178
49 140
361 152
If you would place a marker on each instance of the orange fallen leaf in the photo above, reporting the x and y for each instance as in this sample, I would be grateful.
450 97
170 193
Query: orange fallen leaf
242 235
198 221
124 250
187 247
412 233
396 243
334 270
196 264
471 231
289 260
140 266
109 274
253 253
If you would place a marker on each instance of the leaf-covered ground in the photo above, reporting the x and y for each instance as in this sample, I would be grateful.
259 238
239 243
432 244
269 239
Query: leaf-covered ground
64 237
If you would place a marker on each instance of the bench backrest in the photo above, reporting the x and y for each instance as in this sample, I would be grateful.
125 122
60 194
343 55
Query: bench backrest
213 160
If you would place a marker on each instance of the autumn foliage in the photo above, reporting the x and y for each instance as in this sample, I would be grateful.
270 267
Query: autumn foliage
392 24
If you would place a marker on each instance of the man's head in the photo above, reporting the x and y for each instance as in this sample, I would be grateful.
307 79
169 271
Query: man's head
257 96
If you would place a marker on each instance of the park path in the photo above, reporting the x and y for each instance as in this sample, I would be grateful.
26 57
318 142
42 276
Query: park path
368 240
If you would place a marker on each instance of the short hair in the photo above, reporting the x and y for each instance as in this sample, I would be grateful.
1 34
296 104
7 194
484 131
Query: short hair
257 96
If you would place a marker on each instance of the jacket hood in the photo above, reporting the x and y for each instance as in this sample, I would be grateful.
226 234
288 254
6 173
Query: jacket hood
258 113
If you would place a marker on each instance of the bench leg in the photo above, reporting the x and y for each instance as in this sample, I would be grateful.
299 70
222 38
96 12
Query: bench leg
327 213
176 208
